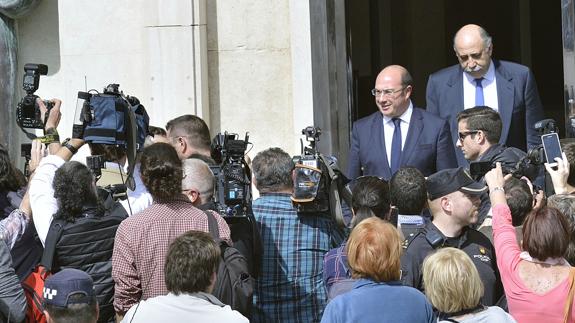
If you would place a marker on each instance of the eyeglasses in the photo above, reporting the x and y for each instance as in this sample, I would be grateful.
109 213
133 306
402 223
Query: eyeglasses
389 92
464 134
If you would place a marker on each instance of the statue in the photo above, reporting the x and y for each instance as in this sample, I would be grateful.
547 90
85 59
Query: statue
9 11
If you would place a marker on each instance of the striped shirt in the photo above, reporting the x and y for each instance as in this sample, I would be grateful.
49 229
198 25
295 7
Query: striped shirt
290 287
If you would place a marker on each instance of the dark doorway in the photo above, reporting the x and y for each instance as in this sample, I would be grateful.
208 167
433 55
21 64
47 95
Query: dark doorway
418 35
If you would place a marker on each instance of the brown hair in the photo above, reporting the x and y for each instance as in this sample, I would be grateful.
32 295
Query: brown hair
374 250
546 234
191 261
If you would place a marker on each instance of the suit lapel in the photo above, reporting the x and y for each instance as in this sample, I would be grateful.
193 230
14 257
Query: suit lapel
455 104
414 131
378 144
505 95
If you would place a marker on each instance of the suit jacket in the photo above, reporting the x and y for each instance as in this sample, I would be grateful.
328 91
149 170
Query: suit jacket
427 146
517 96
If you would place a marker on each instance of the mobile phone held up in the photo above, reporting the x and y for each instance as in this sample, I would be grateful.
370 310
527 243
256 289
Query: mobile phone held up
552 148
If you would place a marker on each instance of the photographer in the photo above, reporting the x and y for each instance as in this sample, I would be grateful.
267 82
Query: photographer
294 245
479 130
479 133
69 214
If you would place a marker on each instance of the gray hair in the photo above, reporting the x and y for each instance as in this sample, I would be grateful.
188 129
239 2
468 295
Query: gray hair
198 176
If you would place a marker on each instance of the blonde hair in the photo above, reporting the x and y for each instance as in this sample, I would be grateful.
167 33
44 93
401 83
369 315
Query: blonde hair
374 250
451 280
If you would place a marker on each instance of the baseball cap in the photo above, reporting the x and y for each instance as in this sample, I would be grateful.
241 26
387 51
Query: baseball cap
450 180
59 287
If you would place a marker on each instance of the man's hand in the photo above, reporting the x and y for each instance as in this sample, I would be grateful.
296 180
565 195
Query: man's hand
55 114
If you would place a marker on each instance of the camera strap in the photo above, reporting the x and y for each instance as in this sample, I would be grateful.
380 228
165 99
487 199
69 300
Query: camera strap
28 134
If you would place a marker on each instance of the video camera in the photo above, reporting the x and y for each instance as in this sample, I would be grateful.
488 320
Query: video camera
114 119
233 176
28 112
318 184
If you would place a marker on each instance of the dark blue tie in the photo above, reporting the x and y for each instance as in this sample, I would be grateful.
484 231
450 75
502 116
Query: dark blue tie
396 146
479 93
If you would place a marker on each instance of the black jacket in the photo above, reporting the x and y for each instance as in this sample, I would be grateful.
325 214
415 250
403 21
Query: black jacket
87 244
471 241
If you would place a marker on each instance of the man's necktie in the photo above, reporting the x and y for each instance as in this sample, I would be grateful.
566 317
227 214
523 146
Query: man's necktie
479 101
396 146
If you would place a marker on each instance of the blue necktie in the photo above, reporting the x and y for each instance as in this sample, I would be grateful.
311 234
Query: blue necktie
479 93
396 146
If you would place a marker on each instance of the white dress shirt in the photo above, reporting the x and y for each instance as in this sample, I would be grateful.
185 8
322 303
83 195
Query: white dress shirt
489 89
389 128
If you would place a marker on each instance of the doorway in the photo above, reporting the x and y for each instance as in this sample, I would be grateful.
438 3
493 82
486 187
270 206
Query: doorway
418 35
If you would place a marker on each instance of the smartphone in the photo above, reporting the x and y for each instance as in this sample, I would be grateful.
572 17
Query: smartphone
552 148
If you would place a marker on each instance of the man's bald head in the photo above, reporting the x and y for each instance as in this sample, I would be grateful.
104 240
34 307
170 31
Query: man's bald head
473 48
392 91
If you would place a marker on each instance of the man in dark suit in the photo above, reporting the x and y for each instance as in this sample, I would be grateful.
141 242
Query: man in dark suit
506 87
398 134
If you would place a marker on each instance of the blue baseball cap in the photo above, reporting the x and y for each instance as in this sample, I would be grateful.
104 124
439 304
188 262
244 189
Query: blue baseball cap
59 287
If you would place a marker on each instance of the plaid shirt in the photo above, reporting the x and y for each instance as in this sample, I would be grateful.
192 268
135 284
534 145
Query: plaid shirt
290 287
141 245
335 267
13 226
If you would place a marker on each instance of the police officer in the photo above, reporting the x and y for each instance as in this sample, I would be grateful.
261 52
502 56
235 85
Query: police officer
454 199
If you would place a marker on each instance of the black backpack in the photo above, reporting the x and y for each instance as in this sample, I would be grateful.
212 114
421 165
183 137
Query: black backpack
234 285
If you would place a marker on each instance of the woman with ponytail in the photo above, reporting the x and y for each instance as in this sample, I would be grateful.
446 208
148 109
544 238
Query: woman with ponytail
370 197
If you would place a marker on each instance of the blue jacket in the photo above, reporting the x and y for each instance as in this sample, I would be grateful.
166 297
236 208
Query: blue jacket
369 301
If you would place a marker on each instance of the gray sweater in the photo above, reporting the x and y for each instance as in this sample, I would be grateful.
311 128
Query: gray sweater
12 300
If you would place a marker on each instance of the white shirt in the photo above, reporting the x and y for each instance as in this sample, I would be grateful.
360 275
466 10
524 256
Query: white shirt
140 198
42 199
389 128
489 89
181 308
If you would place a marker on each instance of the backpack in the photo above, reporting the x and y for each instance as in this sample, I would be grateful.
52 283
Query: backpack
234 285
33 284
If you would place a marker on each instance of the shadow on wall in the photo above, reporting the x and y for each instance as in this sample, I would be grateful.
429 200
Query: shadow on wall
213 66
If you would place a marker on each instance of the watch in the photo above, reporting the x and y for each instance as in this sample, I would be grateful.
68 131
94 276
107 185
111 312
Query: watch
71 148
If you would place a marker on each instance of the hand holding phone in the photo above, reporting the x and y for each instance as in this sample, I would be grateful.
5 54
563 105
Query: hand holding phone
552 148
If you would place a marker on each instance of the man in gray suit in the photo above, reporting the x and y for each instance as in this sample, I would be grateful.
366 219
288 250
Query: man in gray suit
478 80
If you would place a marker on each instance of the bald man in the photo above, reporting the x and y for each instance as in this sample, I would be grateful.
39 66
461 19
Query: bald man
398 134
478 80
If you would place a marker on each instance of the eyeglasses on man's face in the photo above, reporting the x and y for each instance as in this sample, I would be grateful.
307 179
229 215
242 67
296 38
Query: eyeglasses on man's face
387 92
464 134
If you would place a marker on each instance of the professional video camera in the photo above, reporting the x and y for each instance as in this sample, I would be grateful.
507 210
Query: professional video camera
28 112
233 176
318 184
528 165
112 118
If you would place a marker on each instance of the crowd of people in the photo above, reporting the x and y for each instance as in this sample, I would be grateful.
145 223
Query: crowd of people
427 239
